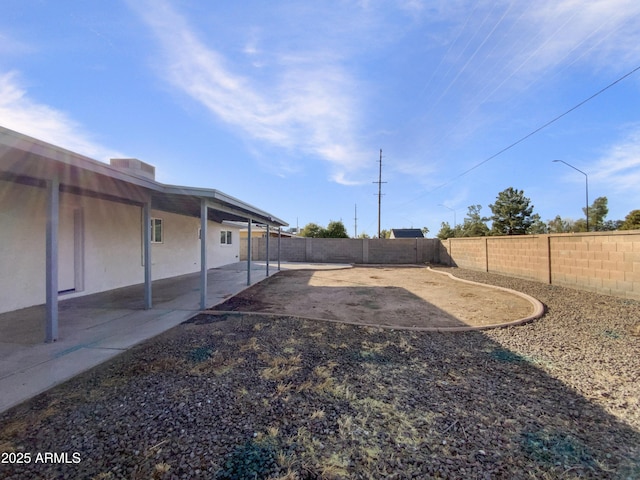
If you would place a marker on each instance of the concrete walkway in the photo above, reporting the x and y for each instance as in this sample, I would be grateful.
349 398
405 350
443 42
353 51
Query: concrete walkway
95 328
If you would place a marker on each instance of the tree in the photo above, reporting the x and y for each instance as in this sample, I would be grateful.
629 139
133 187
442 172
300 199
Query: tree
611 225
425 230
512 213
312 230
333 230
446 231
597 213
580 225
336 230
631 221
364 235
560 225
538 226
474 224
385 233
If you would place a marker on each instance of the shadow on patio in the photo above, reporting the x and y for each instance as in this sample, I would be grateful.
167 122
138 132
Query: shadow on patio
94 328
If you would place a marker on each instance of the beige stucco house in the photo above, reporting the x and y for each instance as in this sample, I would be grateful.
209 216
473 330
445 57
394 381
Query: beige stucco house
72 226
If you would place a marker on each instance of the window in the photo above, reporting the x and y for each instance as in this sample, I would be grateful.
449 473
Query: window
225 237
156 230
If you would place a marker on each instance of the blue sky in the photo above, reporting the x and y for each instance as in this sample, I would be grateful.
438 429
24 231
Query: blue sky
286 105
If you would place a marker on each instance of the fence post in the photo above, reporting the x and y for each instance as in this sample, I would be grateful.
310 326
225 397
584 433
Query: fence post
486 254
549 259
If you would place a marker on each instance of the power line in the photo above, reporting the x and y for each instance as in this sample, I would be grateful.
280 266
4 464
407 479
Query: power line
555 119
446 55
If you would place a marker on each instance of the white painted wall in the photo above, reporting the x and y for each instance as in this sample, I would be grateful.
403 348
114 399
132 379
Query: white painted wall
22 246
219 254
179 253
111 243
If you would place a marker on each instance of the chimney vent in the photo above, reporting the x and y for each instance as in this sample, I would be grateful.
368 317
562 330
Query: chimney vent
134 167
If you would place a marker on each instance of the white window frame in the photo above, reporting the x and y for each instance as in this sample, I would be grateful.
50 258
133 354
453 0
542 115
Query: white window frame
226 237
157 222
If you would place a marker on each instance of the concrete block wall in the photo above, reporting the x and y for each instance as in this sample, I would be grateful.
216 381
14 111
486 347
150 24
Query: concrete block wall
603 262
607 262
525 256
467 252
345 250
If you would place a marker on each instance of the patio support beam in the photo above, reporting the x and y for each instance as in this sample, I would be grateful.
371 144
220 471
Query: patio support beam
268 235
204 213
249 252
51 262
146 251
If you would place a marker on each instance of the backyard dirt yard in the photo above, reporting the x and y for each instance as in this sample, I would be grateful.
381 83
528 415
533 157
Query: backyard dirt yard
236 395
413 297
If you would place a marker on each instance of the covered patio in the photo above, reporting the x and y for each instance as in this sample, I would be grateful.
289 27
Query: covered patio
45 168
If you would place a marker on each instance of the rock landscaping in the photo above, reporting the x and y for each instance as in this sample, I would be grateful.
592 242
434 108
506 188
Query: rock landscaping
244 396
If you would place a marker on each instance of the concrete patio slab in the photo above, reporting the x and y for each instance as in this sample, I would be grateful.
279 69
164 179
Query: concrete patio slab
95 328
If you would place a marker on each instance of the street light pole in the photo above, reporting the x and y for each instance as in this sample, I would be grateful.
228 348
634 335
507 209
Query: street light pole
454 214
586 179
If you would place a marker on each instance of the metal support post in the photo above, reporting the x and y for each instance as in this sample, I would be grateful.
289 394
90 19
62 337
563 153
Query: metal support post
203 254
53 220
268 235
146 252
249 253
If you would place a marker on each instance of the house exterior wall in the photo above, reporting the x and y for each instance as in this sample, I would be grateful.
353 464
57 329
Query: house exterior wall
218 253
22 246
112 244
179 252
109 251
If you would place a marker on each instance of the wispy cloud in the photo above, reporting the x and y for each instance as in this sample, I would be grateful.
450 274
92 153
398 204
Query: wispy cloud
499 52
20 113
619 168
604 31
497 49
309 107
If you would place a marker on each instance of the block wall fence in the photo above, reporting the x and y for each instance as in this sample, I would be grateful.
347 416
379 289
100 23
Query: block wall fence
345 250
603 262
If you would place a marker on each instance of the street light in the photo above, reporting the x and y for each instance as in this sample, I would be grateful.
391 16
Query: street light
586 179
454 213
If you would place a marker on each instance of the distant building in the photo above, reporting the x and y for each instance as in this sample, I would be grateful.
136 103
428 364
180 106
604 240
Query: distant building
406 233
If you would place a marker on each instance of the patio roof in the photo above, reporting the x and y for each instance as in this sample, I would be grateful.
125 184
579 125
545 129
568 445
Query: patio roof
30 161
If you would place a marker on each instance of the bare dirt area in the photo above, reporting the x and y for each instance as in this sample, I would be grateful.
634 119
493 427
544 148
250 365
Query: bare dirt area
410 297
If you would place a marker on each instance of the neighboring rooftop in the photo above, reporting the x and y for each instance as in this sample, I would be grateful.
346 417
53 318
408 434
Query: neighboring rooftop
406 233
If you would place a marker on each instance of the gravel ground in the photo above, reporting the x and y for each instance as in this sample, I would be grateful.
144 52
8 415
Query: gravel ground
245 396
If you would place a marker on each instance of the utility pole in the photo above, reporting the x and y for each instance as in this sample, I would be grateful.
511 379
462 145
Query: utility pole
379 182
355 222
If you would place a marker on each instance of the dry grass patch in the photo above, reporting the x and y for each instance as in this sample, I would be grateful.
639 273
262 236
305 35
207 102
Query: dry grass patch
280 367
217 364
252 345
